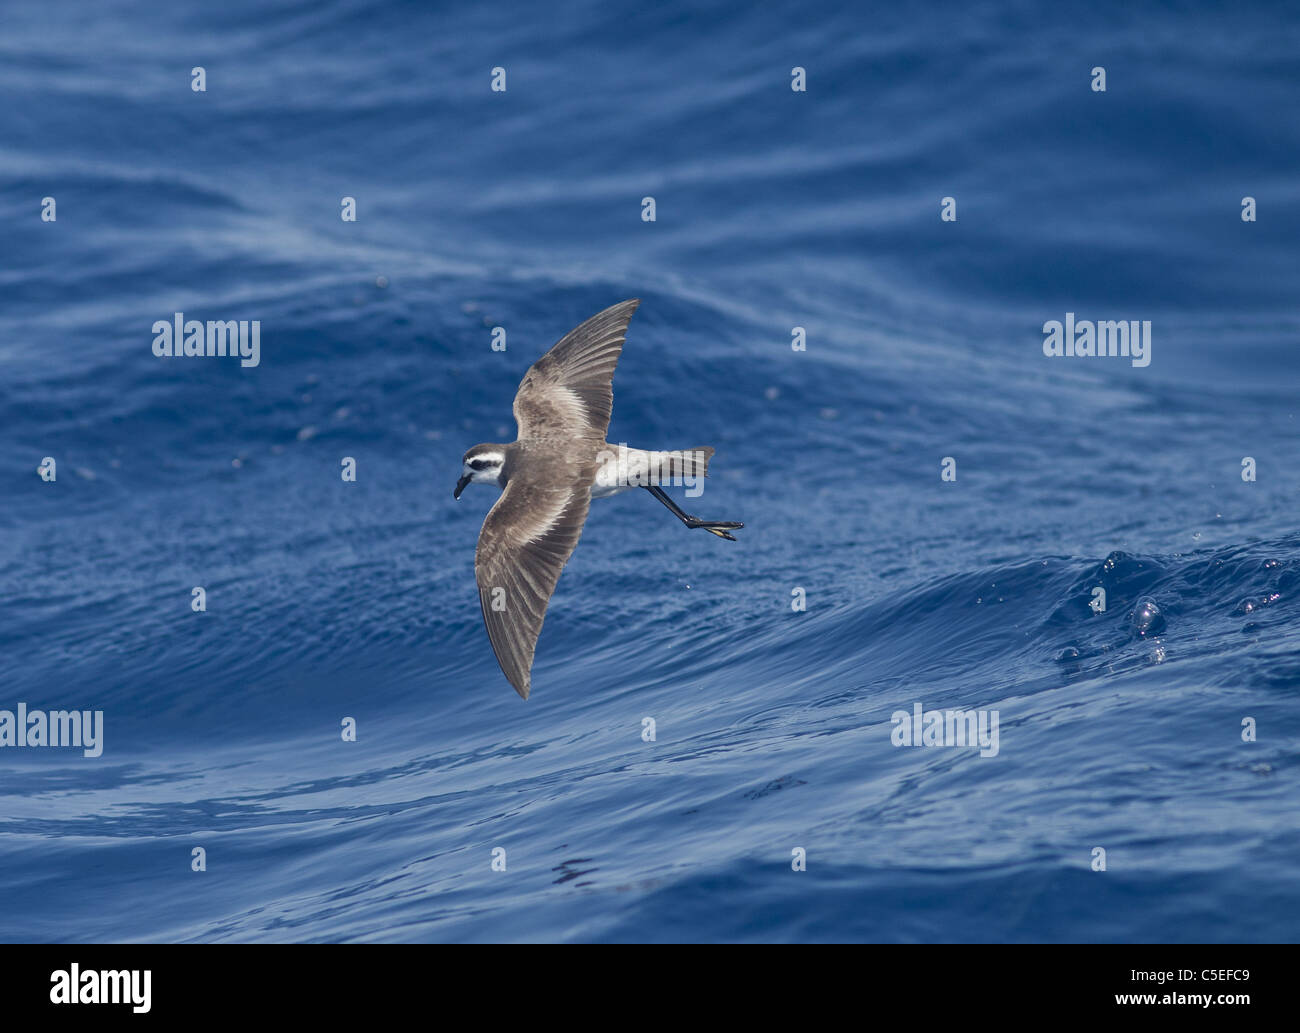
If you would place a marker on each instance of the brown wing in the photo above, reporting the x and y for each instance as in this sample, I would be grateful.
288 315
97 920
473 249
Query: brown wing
567 393
526 539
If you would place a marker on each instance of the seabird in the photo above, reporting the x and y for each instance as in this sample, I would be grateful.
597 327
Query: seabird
559 462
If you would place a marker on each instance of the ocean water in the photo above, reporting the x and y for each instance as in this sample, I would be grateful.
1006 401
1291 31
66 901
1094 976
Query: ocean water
775 209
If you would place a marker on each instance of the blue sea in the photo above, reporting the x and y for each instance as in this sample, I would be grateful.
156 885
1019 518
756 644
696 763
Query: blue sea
930 500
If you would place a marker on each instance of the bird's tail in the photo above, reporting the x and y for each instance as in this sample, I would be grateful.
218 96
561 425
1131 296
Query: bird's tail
689 462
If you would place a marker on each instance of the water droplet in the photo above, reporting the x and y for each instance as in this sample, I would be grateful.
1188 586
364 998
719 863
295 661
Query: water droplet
1146 618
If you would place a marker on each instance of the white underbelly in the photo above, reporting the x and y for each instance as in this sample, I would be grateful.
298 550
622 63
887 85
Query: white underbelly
601 491
610 479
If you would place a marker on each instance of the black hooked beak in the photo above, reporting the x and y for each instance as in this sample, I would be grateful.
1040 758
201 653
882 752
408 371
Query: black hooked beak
460 486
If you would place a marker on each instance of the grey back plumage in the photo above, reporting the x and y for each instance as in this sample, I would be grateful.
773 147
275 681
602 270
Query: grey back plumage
562 408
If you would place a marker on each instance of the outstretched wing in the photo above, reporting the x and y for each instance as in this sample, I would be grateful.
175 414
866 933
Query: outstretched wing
567 393
526 539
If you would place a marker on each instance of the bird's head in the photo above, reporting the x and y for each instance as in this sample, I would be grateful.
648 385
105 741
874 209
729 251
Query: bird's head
482 465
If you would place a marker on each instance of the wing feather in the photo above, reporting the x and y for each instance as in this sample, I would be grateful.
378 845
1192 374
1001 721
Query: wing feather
526 539
568 392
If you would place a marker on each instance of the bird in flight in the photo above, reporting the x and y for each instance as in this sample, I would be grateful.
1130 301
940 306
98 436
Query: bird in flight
559 462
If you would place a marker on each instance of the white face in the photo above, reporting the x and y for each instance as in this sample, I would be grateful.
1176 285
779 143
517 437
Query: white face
482 467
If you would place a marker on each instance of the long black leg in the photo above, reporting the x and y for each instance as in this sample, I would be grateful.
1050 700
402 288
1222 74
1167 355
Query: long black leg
718 527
